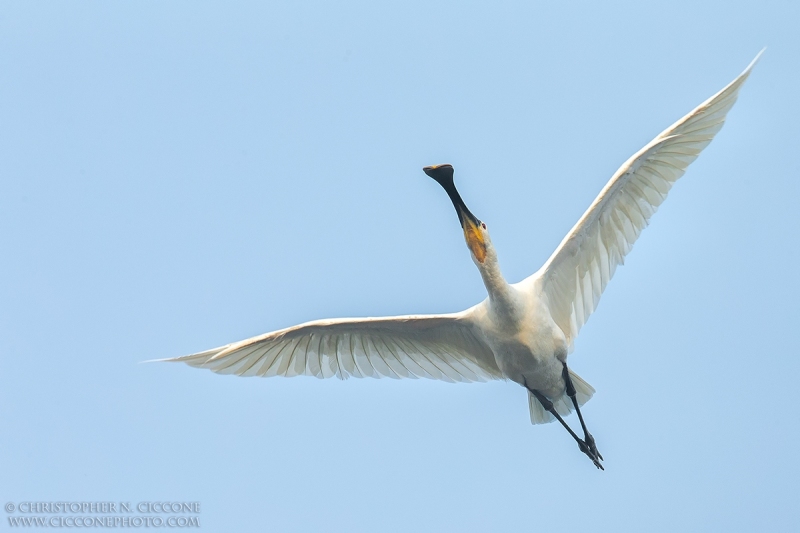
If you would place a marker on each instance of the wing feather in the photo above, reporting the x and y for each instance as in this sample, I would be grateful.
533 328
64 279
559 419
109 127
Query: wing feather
444 347
574 277
391 359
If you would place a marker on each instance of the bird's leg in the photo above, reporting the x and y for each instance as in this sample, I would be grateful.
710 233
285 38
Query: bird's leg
548 406
587 437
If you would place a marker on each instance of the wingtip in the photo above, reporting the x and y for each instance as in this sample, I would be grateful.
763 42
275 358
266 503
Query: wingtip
755 60
741 78
191 357
166 360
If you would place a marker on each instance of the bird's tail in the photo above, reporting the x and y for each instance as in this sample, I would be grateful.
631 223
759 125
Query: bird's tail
563 405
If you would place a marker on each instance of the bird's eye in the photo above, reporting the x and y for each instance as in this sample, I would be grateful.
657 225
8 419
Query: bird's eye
483 225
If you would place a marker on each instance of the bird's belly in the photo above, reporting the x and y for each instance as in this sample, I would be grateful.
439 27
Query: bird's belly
529 348
536 363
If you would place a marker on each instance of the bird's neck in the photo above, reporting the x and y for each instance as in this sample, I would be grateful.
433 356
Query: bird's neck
501 295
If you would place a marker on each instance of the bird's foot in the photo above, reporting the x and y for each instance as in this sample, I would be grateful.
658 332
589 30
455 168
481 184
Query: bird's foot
593 455
590 443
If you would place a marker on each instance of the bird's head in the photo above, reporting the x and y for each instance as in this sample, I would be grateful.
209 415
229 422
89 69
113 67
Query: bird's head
475 232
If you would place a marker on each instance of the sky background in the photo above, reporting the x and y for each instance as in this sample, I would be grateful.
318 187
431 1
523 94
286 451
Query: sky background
180 176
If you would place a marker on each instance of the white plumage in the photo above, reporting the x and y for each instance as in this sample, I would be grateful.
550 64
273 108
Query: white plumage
521 332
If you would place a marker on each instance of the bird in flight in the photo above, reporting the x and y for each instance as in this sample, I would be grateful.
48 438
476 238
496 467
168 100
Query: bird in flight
521 332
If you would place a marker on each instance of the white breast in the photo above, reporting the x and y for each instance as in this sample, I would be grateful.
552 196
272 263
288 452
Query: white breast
528 346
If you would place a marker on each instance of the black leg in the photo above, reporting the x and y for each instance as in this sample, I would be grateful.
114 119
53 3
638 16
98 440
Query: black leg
548 406
587 437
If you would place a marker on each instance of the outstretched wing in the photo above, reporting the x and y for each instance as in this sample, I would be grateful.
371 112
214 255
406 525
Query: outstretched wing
574 277
444 347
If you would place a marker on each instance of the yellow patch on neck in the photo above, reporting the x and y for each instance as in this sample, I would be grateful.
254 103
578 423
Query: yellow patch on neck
475 242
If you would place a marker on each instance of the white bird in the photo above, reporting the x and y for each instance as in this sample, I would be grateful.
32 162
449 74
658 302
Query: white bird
522 331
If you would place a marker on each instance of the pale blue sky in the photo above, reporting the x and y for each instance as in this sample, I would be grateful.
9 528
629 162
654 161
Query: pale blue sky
177 176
